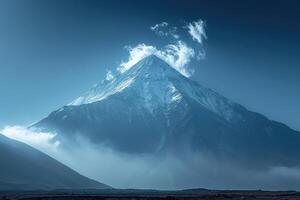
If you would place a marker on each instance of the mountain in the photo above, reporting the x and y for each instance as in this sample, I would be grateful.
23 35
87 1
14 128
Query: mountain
24 168
153 109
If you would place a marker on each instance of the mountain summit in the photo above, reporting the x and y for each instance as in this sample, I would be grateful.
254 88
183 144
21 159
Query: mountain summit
151 76
153 109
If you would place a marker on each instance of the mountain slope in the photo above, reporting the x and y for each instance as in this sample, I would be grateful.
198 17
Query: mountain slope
24 168
153 109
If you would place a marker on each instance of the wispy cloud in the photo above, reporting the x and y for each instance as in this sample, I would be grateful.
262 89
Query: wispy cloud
157 26
197 30
109 75
163 29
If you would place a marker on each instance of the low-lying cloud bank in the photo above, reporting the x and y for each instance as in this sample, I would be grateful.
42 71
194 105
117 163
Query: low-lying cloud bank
44 141
167 171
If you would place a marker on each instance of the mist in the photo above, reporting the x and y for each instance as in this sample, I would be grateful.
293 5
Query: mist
166 171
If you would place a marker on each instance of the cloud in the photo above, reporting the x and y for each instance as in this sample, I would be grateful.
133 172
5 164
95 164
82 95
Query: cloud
183 169
156 26
164 30
45 141
177 55
109 76
197 31
136 54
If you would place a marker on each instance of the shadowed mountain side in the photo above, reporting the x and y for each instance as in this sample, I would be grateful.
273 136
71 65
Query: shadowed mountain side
25 168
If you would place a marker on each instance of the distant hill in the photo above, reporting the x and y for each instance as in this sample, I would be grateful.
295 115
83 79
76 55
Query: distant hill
25 168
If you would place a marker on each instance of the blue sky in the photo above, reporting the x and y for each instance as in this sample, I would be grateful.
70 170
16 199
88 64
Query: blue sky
53 51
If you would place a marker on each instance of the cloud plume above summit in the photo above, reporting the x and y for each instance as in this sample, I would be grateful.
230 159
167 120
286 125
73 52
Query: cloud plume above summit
178 52
177 55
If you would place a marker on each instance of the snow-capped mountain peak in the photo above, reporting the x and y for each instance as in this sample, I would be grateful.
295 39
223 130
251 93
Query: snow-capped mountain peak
150 70
156 85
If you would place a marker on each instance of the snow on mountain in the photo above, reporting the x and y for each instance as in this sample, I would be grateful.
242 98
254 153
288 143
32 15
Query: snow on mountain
158 84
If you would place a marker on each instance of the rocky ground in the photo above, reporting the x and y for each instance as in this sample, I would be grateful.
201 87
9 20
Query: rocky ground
152 195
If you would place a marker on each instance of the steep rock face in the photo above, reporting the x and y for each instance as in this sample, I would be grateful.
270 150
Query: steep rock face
152 108
24 168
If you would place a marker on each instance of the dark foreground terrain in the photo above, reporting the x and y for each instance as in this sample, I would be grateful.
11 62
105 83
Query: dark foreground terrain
113 194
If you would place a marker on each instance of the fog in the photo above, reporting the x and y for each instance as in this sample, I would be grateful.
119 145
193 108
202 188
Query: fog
157 170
